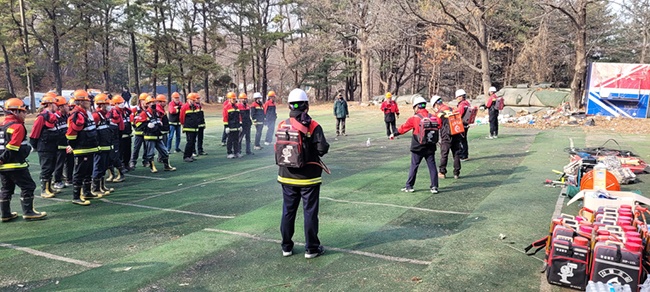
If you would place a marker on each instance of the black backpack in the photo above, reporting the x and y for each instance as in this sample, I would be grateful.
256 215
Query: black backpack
428 133
289 148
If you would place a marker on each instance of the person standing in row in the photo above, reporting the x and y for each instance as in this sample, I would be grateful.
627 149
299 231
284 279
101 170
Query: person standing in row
83 143
64 161
493 111
14 169
138 141
201 133
126 133
105 134
391 113
151 121
246 123
190 121
463 106
232 119
161 101
224 136
423 144
116 124
340 112
174 111
302 183
45 139
447 140
257 114
270 115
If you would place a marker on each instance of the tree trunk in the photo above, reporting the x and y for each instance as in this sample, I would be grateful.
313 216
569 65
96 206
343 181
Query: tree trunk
206 74
365 67
580 69
265 77
134 51
10 84
106 51
56 59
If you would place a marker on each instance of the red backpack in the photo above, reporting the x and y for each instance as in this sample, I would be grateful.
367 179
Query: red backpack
500 103
428 134
289 148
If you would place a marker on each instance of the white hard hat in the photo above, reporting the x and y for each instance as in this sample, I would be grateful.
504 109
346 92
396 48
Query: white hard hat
492 89
419 100
460 92
257 95
297 95
435 99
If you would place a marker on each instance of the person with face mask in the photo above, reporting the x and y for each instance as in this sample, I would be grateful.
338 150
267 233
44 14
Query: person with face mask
105 141
44 138
257 114
116 169
173 114
246 123
64 161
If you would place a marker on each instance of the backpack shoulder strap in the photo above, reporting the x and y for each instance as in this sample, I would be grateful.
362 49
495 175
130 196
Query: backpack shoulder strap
300 127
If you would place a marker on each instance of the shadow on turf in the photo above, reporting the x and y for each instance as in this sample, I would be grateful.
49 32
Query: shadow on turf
513 155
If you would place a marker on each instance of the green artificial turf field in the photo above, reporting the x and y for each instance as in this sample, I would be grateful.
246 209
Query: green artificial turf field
213 225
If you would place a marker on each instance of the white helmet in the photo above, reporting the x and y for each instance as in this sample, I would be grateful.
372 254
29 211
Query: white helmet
419 100
435 99
460 92
257 95
492 89
297 95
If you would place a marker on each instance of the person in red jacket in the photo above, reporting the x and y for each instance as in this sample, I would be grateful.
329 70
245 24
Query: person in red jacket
463 105
226 103
117 126
423 145
174 111
14 169
447 140
190 121
44 138
493 111
232 118
270 115
391 113
64 161
246 123
105 140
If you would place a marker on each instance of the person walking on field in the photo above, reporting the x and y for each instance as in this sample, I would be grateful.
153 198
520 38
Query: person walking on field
14 169
447 140
463 105
391 113
301 182
270 117
423 144
340 112
257 114
494 104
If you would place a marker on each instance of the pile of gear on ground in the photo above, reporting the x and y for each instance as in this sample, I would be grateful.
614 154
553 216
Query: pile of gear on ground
606 246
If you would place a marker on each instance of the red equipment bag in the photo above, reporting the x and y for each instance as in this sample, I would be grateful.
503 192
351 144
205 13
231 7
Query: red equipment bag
568 263
456 124
614 262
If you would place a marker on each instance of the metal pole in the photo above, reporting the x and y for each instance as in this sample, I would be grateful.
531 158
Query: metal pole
30 85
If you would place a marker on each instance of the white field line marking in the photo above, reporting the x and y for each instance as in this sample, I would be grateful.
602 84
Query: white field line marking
51 256
356 252
396 206
168 210
544 286
145 177
203 183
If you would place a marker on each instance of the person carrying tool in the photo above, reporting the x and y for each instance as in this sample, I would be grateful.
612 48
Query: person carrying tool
257 114
173 114
391 113
301 182
45 139
425 128
190 121
84 144
492 104
270 115
447 140
246 123
14 169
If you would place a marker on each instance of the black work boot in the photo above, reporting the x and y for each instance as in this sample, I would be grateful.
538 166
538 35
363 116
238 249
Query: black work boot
76 196
5 211
50 187
28 209
103 188
45 193
168 167
120 176
87 194
95 188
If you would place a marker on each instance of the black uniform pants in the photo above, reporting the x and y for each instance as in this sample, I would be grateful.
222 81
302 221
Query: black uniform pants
125 150
83 168
391 128
234 144
258 134
445 146
291 200
100 163
494 122
64 166
190 143
199 139
415 164
246 134
114 157
17 177
464 151
47 159
341 122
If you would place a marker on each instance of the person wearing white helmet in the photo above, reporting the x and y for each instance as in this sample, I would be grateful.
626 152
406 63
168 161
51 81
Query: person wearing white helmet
494 104
258 116
301 183
463 105
426 129
447 140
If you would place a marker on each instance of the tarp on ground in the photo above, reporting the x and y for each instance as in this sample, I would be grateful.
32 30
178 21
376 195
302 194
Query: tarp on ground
535 97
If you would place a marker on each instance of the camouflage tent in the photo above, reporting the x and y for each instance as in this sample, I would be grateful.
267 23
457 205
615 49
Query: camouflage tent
536 97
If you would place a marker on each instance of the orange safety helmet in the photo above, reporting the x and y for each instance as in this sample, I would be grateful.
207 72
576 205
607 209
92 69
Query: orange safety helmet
176 95
243 96
161 98
14 104
143 96
117 99
80 94
231 95
51 94
149 100
60 100
271 93
48 99
102 98
71 102
193 96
